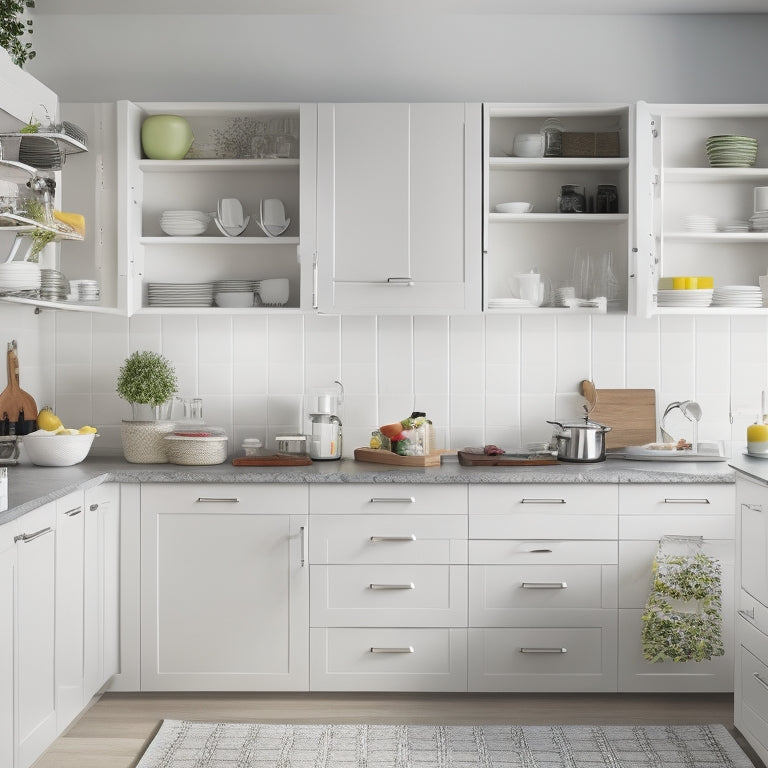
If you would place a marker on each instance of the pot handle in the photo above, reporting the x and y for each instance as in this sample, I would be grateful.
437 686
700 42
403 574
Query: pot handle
557 424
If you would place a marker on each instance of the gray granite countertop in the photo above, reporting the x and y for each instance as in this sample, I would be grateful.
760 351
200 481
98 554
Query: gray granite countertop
30 486
751 466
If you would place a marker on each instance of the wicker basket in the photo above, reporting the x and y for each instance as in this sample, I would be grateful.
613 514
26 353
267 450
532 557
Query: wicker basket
143 441
196 451
590 144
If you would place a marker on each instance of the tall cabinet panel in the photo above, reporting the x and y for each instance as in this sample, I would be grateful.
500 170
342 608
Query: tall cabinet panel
398 199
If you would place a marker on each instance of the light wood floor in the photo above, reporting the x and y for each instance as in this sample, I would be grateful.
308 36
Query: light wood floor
116 729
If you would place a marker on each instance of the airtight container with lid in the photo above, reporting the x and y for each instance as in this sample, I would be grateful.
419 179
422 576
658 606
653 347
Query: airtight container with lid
251 446
196 447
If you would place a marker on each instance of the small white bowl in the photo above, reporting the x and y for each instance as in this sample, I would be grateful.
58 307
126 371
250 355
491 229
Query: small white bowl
528 145
47 450
514 207
233 299
274 292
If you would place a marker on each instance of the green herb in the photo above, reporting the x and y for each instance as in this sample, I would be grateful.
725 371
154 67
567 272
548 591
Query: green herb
31 127
13 27
146 377
40 238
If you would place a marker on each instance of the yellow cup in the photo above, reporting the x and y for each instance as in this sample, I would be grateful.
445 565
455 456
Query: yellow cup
706 282
678 283
691 283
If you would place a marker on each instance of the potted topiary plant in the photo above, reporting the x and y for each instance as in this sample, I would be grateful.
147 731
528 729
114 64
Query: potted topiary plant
147 380
12 30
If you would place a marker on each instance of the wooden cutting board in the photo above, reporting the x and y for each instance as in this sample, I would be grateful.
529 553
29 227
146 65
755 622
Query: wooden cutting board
503 460
378 456
631 414
272 460
14 401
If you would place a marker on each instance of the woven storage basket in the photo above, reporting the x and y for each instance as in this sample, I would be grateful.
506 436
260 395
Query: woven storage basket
143 441
185 449
590 144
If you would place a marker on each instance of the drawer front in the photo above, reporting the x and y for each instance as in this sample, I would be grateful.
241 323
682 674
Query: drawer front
752 611
542 552
391 539
677 499
754 546
388 659
544 658
558 499
754 687
654 526
543 525
267 498
378 498
751 695
638 675
636 564
388 595
499 593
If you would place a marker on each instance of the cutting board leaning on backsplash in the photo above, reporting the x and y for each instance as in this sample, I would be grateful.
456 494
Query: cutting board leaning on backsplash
631 414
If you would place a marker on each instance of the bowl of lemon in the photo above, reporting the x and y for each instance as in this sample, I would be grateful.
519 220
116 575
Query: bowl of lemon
54 445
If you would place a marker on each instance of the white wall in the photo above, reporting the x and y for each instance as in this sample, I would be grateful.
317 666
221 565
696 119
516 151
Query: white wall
481 379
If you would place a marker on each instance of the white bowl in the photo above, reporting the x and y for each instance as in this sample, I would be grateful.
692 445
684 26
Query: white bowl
274 292
528 145
514 207
234 299
47 450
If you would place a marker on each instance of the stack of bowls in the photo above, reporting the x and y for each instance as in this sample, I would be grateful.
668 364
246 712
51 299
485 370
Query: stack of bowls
19 276
274 292
234 293
184 223
54 286
727 151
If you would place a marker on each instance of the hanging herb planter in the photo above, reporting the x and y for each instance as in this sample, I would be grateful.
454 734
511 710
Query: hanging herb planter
13 27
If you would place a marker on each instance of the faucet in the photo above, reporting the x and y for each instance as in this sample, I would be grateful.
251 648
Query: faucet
692 411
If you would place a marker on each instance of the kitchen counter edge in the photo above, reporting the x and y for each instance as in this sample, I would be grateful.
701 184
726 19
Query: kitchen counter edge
30 486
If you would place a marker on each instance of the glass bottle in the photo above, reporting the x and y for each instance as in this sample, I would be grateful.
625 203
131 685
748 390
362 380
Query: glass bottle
553 137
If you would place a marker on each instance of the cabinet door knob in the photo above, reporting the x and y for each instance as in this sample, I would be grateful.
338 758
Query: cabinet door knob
393 500
400 281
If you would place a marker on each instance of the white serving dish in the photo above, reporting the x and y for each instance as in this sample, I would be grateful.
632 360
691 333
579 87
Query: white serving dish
49 450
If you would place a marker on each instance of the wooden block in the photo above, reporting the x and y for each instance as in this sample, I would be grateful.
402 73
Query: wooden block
378 456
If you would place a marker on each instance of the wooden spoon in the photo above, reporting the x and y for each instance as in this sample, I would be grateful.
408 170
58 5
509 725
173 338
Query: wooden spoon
590 393
14 401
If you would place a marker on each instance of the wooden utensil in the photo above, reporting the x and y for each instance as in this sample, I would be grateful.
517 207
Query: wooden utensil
631 414
14 401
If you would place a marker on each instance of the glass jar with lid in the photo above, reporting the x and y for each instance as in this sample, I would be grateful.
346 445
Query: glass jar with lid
552 131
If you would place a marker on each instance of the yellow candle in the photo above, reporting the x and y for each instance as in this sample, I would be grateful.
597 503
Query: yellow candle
757 433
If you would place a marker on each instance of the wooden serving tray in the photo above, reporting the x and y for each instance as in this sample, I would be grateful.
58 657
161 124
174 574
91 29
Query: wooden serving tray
504 460
272 460
378 456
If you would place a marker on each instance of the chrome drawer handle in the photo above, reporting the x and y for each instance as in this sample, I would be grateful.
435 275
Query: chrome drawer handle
27 537
686 501
400 281
393 500
760 680
544 585
211 499
411 537
392 586
543 650
537 550
73 512
408 649
542 501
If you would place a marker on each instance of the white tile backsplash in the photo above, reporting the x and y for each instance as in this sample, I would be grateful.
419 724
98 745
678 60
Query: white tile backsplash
494 378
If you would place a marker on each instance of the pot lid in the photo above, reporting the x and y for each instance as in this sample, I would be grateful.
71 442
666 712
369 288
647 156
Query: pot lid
581 424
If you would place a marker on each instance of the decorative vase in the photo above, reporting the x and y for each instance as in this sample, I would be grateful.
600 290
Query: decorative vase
166 137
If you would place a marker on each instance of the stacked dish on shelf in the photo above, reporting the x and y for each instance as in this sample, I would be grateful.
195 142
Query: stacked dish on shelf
698 222
685 291
17 276
234 293
273 292
184 223
41 152
84 290
758 222
54 286
738 296
180 294
727 151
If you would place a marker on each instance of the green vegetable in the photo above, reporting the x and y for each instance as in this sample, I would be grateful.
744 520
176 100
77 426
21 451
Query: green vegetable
31 126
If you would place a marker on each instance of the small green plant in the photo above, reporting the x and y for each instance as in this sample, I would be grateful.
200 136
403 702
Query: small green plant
146 377
13 27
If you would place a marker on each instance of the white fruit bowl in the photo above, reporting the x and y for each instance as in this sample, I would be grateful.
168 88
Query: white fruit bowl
49 450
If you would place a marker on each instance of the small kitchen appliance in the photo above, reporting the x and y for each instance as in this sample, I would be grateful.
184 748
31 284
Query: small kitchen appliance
324 407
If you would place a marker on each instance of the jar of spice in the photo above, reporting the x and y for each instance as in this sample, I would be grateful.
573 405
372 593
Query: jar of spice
573 199
606 199
553 137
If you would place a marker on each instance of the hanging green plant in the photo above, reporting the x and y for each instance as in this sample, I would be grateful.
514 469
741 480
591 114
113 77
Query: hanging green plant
13 27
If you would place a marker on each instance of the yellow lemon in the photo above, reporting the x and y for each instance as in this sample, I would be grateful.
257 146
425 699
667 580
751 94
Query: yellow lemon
87 430
48 420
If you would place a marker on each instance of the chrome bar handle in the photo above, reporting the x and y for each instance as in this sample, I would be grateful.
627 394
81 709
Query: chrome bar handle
73 512
408 649
542 501
27 537
212 499
543 650
303 544
686 501
400 281
393 500
392 586
410 537
544 585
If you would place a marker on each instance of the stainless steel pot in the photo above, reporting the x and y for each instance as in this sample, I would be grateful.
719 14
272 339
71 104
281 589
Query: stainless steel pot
581 440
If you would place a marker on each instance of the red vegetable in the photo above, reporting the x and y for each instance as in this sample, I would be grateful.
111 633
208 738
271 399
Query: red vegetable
492 450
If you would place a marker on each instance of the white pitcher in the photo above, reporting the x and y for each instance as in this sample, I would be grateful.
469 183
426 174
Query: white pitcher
530 287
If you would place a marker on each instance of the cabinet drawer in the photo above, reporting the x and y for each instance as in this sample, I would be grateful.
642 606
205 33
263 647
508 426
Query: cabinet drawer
544 658
499 593
565 499
753 611
257 498
388 539
636 564
638 675
388 659
654 526
542 552
370 498
754 546
388 595
754 688
677 499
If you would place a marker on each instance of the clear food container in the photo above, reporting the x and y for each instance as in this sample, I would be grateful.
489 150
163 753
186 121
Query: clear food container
296 445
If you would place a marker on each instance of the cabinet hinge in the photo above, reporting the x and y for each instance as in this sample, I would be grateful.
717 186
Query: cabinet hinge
654 130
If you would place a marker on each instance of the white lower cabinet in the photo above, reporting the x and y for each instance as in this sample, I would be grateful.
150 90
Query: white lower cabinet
7 643
646 513
224 587
542 588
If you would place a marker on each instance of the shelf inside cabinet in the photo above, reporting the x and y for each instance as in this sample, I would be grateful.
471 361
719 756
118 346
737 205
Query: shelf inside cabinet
69 144
557 218
557 163
742 238
218 164
220 240
716 175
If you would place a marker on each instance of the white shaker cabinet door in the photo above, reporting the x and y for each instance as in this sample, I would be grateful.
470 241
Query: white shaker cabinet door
224 588
7 631
398 227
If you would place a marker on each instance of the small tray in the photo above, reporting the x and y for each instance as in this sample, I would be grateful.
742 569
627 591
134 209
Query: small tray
272 460
379 456
506 460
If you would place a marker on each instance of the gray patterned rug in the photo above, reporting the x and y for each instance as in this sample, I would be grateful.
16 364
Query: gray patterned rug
185 744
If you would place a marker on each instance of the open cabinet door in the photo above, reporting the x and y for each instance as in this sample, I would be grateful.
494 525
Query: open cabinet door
647 206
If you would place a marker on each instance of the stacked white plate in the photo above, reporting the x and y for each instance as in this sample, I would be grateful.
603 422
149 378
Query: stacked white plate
731 151
180 294
19 276
738 296
699 223
508 303
84 290
759 222
235 286
184 223
54 286
737 226
692 297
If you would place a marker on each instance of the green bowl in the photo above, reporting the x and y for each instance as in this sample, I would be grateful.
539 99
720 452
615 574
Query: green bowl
166 137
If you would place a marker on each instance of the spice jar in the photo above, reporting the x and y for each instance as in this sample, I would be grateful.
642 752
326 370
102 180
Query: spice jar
553 137
606 199
572 199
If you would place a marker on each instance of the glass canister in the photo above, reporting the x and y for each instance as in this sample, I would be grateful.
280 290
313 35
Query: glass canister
606 199
573 199
553 137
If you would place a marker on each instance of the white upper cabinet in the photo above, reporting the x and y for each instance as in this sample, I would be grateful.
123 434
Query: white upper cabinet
582 251
398 225
693 218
